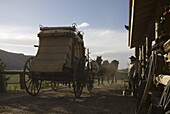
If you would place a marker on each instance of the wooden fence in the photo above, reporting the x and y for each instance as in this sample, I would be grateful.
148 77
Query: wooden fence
15 73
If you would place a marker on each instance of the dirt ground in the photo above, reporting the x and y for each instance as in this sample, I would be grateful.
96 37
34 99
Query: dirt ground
105 99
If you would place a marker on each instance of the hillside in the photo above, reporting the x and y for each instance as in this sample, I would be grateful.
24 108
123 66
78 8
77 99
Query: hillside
16 61
13 61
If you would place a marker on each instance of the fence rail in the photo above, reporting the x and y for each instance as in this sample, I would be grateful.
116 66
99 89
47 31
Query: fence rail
15 73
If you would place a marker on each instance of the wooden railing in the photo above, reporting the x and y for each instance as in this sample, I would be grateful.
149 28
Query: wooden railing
15 73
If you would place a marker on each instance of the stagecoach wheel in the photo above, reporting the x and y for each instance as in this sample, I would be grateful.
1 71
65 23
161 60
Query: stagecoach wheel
77 79
32 85
165 98
54 85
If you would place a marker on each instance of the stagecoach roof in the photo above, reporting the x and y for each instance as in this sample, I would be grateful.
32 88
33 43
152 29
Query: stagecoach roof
58 28
141 20
47 32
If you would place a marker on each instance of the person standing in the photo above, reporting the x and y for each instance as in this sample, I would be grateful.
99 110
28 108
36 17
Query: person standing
133 74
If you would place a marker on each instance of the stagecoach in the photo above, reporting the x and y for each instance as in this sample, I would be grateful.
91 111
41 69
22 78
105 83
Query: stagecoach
60 59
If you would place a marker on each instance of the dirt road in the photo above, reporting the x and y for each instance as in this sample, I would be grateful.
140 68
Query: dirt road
103 100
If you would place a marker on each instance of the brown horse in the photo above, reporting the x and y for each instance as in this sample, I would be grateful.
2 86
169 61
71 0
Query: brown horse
113 69
109 70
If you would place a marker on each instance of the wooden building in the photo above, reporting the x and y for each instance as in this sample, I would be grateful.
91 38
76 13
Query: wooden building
148 21
144 25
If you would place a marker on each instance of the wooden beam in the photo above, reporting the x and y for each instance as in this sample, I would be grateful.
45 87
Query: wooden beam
131 22
147 87
11 72
166 46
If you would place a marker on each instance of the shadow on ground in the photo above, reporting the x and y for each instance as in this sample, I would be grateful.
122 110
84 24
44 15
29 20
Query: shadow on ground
104 100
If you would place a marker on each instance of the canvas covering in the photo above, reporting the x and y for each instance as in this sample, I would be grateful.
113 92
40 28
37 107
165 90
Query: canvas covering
55 51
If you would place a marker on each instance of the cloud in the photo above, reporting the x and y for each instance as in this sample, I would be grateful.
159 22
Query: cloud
18 35
26 50
109 43
106 40
18 39
83 25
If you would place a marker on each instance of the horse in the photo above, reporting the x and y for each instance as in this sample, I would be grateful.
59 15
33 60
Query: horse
112 69
108 70
105 69
96 69
99 73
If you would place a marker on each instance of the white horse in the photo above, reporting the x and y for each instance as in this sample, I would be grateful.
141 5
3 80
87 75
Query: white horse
96 69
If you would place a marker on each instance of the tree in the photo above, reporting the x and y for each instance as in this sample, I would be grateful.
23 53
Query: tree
2 77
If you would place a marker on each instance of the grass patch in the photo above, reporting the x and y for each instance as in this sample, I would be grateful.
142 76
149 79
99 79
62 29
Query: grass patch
13 87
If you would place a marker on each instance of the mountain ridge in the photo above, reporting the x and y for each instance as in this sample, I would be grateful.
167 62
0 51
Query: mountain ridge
13 61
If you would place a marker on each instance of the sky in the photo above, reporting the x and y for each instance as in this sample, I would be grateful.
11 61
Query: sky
102 22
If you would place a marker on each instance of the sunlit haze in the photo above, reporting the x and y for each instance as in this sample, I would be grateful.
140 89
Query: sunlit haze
102 22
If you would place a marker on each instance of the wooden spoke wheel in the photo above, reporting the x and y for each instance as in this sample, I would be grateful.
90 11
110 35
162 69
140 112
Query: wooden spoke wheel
78 88
54 85
32 85
165 99
78 79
